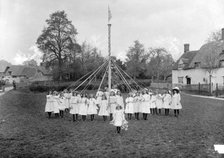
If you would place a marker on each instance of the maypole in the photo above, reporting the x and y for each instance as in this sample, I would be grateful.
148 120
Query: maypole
109 49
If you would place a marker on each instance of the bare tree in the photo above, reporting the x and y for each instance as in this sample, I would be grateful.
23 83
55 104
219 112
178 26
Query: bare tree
214 36
211 63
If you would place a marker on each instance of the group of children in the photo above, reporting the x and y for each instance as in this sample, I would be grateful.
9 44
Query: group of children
145 102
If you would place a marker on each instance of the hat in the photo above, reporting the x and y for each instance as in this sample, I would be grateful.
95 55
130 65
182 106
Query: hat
176 88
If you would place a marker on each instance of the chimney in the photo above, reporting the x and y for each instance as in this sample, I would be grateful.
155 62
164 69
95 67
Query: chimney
187 47
222 34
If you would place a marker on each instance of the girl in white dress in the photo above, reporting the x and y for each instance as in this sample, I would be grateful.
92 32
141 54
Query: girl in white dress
99 95
113 104
119 119
92 107
129 106
67 96
49 107
159 102
62 105
167 102
120 99
153 103
104 108
74 106
145 105
83 106
137 102
176 105
56 103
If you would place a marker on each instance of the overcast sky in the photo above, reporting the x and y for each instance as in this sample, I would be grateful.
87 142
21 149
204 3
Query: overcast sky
163 23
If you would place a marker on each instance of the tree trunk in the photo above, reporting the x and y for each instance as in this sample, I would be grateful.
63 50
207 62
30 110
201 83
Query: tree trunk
210 84
60 68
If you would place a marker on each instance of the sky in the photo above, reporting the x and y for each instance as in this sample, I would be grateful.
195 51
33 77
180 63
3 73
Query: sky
155 23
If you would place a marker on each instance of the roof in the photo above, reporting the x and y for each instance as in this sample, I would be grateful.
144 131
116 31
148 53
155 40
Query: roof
212 50
186 58
20 70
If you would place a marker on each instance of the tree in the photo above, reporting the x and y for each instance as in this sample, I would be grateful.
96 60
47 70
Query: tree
159 63
211 62
57 40
136 59
31 63
214 36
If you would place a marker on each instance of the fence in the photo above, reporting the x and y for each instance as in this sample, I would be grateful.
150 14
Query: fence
204 89
161 85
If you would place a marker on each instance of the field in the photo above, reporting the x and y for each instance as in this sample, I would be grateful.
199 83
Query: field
25 131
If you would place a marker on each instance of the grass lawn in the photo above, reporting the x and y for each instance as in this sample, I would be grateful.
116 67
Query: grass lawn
25 131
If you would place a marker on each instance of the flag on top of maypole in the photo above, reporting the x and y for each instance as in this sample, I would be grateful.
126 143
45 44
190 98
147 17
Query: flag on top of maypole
109 14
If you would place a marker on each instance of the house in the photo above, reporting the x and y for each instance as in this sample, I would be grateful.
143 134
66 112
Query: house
21 73
203 66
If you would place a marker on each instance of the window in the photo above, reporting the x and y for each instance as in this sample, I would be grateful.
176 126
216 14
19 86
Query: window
180 66
197 64
181 80
223 80
221 63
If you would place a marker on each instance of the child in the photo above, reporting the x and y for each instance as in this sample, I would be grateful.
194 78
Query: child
112 106
145 105
92 108
119 119
153 103
56 103
167 102
176 105
49 108
74 106
137 101
83 106
67 96
159 102
120 99
129 106
62 105
103 108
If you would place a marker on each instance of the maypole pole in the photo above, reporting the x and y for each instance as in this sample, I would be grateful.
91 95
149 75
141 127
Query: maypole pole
109 49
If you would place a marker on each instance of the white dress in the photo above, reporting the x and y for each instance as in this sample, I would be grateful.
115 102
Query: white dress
153 102
83 106
113 104
74 103
167 101
141 103
146 104
62 105
159 101
136 104
49 104
118 118
103 108
120 101
176 102
129 105
56 103
99 95
67 100
92 108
